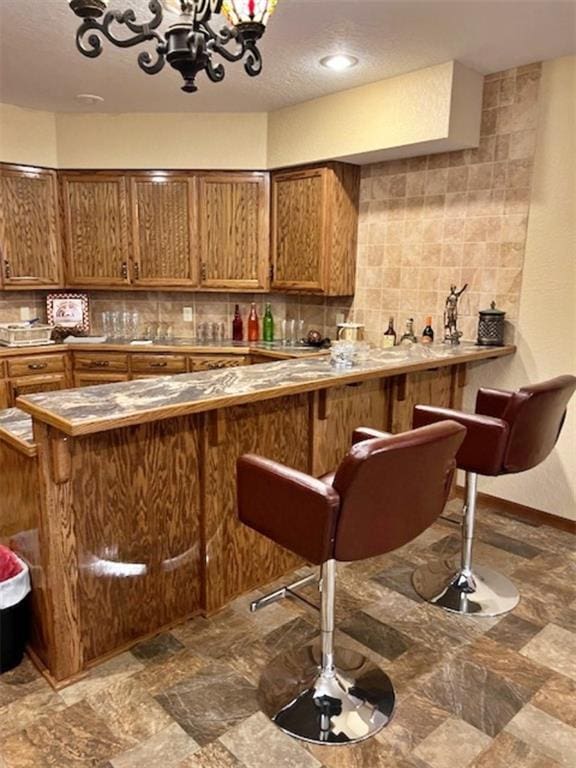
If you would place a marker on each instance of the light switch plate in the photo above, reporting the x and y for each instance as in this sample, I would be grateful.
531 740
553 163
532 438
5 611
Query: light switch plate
187 314
25 313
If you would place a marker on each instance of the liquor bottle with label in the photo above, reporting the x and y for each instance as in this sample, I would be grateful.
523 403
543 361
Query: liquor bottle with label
389 339
408 337
268 324
237 325
253 324
428 332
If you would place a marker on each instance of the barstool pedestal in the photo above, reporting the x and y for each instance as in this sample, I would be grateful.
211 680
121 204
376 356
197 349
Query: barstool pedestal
325 695
473 590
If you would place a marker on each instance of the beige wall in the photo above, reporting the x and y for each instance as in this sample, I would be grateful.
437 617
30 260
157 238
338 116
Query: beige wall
27 136
546 326
429 110
202 141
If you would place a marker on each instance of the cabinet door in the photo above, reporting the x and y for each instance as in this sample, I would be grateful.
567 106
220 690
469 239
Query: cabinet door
29 385
95 225
29 233
163 216
95 379
299 223
233 215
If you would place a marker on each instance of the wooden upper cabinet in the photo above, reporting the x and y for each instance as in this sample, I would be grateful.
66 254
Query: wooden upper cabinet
233 212
29 228
314 229
95 208
163 230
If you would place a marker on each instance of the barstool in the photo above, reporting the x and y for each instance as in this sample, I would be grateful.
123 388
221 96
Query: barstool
509 432
386 491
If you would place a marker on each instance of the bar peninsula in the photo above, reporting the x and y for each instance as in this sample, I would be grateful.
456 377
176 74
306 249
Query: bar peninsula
122 496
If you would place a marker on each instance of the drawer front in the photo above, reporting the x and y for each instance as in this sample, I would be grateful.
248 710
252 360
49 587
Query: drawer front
158 364
2 369
216 363
94 379
33 365
100 361
30 385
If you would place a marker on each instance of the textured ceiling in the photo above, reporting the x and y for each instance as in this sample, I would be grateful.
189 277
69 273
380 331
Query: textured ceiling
40 67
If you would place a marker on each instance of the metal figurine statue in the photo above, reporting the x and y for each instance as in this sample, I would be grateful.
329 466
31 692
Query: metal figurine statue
451 333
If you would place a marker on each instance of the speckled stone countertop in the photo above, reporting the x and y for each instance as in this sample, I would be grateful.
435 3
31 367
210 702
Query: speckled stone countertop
98 408
16 429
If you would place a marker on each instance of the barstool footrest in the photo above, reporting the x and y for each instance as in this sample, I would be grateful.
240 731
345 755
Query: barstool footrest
349 705
289 591
480 592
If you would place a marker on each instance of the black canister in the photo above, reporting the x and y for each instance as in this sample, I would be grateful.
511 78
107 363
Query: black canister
491 327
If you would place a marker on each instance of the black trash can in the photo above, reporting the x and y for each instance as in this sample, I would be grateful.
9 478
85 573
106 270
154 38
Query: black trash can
14 618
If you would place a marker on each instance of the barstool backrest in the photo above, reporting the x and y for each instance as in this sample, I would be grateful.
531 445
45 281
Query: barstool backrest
392 489
536 415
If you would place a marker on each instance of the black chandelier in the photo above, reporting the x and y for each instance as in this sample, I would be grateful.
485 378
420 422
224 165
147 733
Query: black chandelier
189 44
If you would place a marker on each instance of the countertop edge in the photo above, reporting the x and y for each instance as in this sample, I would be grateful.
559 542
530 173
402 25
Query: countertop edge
224 401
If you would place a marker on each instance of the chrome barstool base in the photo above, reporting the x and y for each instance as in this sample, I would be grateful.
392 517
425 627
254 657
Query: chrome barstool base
352 705
483 593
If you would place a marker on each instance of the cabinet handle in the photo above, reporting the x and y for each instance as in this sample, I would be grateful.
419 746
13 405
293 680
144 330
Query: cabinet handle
159 365
136 268
37 366
7 270
203 271
124 270
271 273
99 363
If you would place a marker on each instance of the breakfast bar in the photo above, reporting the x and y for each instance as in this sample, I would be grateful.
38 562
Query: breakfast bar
126 491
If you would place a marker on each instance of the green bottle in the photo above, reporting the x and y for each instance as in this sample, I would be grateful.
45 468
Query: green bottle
268 324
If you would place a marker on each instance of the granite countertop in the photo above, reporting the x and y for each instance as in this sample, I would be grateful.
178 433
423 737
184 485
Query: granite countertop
16 428
98 408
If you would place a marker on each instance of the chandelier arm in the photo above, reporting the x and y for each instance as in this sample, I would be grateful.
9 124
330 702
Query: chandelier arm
219 41
215 72
148 65
253 63
89 43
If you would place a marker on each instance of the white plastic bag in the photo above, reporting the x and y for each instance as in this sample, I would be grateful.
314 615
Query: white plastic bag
15 589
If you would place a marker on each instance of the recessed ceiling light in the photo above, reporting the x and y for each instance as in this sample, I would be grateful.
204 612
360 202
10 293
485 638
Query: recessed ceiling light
339 62
89 98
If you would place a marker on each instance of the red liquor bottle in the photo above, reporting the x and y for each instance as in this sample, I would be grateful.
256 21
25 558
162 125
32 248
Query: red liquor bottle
253 324
237 325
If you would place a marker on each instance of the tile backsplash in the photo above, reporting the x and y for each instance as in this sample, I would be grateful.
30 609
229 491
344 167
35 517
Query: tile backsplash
425 223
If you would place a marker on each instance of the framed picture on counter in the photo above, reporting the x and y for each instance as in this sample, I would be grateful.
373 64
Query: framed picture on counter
68 310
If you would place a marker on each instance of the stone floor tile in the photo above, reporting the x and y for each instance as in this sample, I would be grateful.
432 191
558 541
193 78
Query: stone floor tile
511 665
156 648
454 743
75 737
554 647
414 718
118 668
129 710
211 702
23 711
258 743
513 631
20 682
372 753
213 755
381 638
163 674
506 751
557 697
546 734
166 749
295 633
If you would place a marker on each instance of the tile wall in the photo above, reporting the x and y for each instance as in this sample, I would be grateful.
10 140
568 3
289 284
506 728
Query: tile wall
425 222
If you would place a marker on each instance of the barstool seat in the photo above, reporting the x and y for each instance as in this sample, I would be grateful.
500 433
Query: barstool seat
386 491
509 432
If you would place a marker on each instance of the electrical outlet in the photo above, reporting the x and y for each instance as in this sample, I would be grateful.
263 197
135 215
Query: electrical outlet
187 314
25 313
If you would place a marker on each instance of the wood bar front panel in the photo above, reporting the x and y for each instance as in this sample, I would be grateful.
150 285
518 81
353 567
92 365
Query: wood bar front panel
237 558
341 410
434 387
138 537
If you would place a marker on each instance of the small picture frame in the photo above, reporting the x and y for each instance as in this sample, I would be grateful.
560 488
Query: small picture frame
68 310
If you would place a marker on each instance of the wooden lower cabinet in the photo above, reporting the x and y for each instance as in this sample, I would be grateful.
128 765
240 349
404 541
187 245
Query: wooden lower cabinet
213 362
95 379
30 385
158 364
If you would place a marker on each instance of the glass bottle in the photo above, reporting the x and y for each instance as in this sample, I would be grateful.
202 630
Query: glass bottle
408 337
268 324
389 335
237 325
428 332
253 324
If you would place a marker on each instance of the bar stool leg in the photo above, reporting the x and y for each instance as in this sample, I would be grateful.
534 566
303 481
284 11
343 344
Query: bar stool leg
471 589
326 695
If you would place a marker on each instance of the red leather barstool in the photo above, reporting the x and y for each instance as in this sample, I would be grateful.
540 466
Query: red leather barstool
386 491
509 432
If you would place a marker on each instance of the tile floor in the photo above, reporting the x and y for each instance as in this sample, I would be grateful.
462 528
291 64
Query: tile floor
496 693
